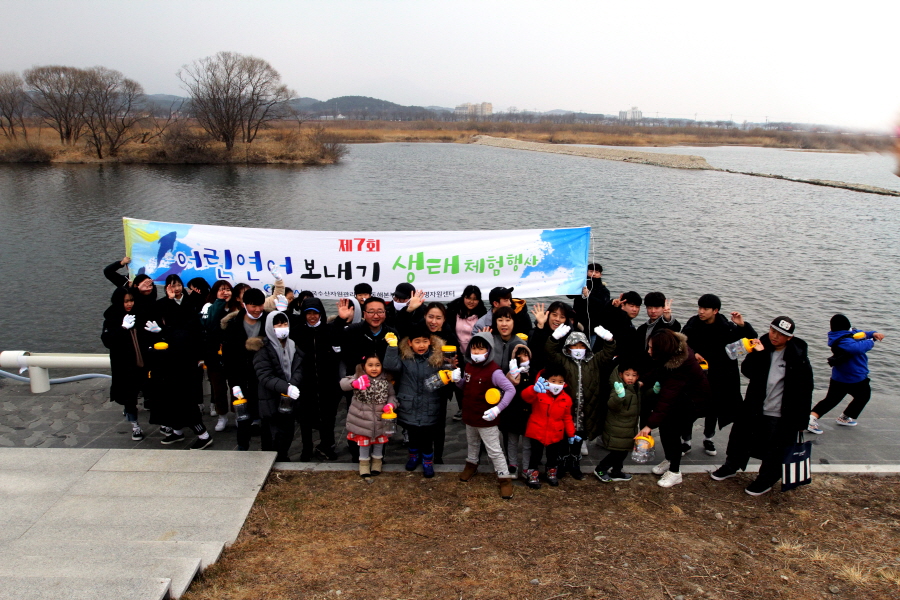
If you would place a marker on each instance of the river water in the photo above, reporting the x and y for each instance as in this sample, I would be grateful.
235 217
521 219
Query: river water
766 247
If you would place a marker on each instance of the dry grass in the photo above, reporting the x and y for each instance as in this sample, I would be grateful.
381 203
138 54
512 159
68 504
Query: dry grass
330 535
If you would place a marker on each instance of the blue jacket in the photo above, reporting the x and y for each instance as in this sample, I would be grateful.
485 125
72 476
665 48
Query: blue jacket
856 368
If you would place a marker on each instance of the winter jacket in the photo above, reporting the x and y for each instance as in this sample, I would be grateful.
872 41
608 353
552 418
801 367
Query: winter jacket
523 322
272 379
856 367
129 355
622 415
514 417
367 406
551 416
684 390
238 352
586 380
617 321
477 379
589 309
402 320
503 351
357 340
709 341
419 407
657 326
320 361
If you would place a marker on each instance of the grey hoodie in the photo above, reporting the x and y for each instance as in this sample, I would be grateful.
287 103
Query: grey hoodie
286 352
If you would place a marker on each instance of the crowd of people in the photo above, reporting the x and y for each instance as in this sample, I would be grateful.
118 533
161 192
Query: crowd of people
533 386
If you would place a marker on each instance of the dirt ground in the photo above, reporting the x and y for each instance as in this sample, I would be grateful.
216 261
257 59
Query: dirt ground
331 535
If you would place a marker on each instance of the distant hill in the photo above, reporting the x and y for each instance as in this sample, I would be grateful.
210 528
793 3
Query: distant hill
345 104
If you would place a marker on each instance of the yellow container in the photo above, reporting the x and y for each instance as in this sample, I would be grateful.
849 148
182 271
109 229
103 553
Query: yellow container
522 337
160 346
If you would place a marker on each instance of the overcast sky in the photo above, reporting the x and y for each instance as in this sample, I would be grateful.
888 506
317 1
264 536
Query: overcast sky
803 61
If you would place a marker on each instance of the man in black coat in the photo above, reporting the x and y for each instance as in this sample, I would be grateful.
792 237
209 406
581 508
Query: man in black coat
616 316
708 332
594 296
776 406
361 339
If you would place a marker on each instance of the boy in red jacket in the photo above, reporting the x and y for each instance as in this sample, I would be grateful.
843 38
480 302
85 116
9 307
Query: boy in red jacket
550 425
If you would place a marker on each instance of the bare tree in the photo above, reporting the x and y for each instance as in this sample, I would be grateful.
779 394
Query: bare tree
233 95
58 97
13 105
112 114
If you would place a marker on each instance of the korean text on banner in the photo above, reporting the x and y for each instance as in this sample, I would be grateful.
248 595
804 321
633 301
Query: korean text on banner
536 262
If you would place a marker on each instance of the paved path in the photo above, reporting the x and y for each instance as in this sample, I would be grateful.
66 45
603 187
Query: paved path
79 415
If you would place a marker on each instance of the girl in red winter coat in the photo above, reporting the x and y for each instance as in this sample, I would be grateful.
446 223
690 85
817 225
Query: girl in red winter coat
550 425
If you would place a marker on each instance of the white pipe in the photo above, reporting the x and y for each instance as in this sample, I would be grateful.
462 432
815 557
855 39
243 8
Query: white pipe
38 365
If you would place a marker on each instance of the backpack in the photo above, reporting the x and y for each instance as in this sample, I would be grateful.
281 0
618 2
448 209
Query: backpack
838 355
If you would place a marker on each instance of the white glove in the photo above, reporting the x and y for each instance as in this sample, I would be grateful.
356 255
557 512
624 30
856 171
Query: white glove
513 367
491 413
128 322
236 392
455 375
293 392
281 303
152 327
603 333
276 274
561 331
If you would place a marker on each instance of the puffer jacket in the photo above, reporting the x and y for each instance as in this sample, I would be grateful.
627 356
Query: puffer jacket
586 380
419 407
367 406
623 415
684 390
551 416
271 379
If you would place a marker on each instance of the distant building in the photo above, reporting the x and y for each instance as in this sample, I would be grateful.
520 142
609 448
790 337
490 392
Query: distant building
631 115
474 111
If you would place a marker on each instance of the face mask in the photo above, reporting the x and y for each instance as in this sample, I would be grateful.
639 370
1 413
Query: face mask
251 316
555 388
478 358
578 353
524 365
282 332
400 305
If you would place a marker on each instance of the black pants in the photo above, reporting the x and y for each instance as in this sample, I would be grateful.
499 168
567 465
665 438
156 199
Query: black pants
440 430
765 436
421 439
670 435
612 461
861 392
554 451
280 428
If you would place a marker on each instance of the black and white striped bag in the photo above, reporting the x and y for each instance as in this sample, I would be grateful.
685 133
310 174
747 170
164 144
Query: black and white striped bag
795 468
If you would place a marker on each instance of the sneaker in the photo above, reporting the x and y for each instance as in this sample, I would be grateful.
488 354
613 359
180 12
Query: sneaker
685 447
618 476
709 447
669 479
458 416
200 444
212 411
136 434
165 430
173 438
533 480
601 475
552 479
846 421
757 489
661 468
813 426
723 472
221 423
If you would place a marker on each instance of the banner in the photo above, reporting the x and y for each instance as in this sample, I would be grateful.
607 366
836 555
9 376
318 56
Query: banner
536 262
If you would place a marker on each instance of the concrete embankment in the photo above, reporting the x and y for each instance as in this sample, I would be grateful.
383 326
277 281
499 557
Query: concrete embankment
674 161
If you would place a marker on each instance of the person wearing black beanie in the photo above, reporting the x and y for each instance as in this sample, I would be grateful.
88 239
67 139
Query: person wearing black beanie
849 373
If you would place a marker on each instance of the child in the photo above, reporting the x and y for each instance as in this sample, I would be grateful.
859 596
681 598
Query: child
372 394
586 373
550 425
480 375
621 422
418 358
514 419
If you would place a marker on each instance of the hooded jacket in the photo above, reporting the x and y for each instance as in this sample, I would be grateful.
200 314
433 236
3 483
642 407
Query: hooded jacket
622 416
277 366
477 379
589 309
514 417
367 406
684 389
551 416
239 351
419 407
320 361
856 367
585 378
129 356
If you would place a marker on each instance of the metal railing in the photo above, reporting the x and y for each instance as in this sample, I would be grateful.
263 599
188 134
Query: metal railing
39 365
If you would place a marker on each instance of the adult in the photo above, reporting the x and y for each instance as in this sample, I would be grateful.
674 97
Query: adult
659 317
397 312
505 340
849 373
362 291
617 317
211 315
197 292
594 296
546 322
775 408
500 297
366 337
143 284
677 388
708 333
278 367
436 321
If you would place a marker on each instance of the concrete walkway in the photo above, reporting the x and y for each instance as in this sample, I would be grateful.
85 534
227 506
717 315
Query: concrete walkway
98 524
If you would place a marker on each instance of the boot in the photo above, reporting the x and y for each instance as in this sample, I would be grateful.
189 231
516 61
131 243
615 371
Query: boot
575 468
552 478
376 466
531 480
563 468
364 469
428 465
413 460
469 472
506 487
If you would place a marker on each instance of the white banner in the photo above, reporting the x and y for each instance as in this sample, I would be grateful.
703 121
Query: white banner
536 262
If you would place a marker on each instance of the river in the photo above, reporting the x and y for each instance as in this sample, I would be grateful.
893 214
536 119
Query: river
766 247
